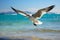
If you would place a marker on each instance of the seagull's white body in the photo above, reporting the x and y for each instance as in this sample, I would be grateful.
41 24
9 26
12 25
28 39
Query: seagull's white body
34 17
35 20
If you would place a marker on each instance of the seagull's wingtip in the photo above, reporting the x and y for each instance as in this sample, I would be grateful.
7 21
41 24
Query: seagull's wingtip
12 7
14 10
53 6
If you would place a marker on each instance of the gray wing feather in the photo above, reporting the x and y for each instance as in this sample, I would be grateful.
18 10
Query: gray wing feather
40 12
17 11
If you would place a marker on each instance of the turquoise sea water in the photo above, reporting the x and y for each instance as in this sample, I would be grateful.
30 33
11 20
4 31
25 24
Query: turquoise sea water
11 24
50 21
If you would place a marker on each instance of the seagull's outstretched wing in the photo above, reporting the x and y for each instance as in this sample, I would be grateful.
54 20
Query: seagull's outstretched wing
41 12
20 12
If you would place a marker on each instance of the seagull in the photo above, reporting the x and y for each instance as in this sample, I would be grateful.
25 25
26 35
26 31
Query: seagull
34 17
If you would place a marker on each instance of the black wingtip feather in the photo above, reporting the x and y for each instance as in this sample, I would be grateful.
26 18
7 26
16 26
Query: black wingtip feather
14 9
50 7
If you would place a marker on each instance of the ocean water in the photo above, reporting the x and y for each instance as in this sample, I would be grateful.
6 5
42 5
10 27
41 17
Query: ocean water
18 25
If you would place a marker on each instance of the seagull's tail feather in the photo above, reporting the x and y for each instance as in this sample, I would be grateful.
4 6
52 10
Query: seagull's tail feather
38 22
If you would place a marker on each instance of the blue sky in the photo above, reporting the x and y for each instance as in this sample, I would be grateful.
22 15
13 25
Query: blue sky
28 5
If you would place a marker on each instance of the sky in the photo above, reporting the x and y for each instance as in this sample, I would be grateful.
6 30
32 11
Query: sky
28 5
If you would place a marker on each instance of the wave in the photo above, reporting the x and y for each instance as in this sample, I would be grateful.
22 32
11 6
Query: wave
38 30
